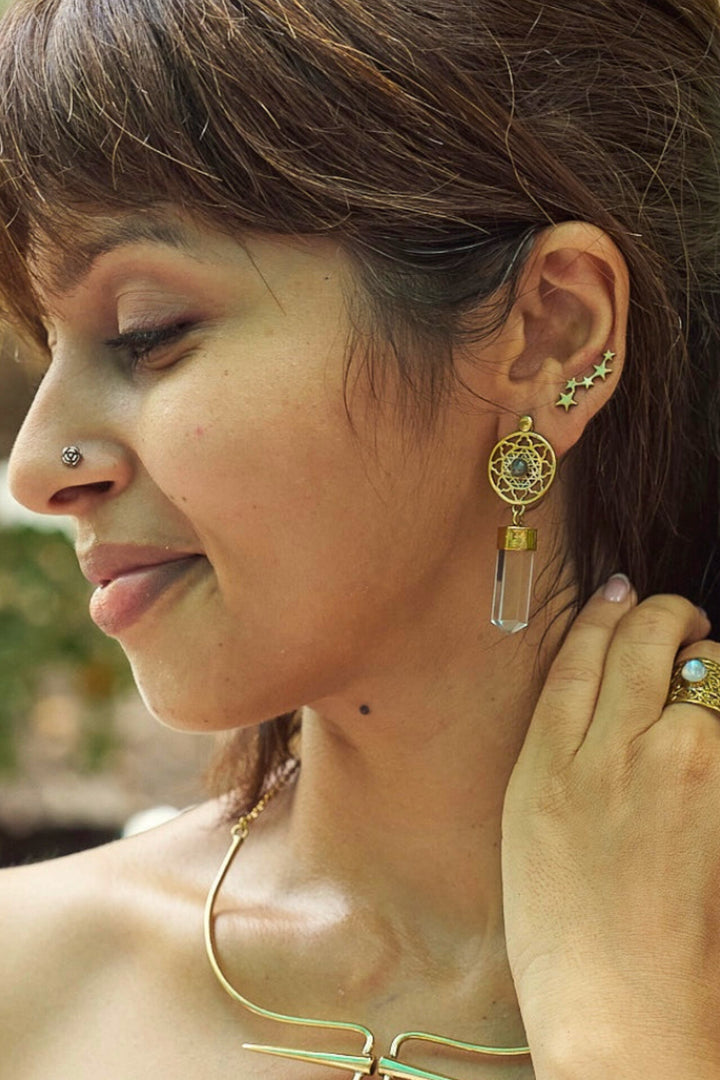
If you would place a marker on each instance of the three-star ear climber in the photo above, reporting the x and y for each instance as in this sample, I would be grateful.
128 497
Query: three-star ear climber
600 371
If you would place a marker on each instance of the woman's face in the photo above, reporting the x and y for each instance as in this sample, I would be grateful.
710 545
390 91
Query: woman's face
286 548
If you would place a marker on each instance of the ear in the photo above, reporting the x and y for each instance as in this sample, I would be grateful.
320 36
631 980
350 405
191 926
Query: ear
571 311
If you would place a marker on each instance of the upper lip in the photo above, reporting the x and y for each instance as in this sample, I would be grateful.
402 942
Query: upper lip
102 563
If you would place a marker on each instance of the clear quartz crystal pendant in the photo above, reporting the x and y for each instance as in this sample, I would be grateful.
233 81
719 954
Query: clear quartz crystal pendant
521 469
513 578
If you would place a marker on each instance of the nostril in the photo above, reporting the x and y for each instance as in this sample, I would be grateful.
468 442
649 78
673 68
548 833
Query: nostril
70 494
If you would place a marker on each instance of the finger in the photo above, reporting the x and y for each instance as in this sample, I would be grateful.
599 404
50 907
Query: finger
639 666
566 704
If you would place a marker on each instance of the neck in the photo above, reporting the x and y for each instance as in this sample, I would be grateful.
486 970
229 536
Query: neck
403 804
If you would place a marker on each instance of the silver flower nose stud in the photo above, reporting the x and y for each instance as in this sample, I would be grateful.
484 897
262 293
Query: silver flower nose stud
71 456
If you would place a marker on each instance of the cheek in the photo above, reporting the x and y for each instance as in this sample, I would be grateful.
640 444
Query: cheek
238 465
196 427
286 504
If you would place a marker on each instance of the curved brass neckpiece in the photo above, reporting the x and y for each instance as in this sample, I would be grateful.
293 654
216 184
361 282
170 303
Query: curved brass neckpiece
366 1063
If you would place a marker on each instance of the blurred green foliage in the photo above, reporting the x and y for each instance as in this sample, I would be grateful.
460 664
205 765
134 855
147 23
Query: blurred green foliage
44 626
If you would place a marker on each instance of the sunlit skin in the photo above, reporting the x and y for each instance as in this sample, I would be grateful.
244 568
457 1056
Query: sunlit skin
351 575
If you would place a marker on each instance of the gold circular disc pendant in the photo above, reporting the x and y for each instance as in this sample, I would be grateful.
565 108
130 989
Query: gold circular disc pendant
522 466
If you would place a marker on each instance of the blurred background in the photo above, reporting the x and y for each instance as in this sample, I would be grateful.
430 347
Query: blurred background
80 757
81 761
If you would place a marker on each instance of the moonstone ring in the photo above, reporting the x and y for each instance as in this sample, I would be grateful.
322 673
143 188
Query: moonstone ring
696 682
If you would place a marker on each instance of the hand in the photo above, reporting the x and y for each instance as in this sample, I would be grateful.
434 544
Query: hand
611 854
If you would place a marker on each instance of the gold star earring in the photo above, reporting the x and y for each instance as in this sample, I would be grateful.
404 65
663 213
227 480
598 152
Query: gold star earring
521 469
600 371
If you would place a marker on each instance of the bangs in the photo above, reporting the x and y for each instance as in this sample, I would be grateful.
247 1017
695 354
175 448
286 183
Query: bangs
106 110
280 116
114 106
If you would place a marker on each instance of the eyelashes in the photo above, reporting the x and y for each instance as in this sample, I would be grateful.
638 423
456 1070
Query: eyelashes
137 345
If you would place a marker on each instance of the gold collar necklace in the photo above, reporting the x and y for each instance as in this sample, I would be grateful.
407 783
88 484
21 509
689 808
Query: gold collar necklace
364 1064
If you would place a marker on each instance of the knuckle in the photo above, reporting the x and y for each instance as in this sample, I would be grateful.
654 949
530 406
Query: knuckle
596 616
637 676
569 675
671 604
688 749
659 618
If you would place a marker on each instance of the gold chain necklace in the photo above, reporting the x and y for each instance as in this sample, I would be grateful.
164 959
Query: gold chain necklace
364 1064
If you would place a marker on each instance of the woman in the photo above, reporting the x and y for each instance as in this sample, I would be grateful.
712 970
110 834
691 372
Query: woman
328 289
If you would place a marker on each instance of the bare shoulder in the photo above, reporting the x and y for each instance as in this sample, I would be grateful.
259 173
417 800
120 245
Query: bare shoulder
73 927
65 908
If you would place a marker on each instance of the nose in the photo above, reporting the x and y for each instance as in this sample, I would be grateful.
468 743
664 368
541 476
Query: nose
66 459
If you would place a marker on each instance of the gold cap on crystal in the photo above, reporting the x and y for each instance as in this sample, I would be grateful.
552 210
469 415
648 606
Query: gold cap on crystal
516 538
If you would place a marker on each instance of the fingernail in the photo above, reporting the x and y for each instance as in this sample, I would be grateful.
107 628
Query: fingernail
617 588
704 614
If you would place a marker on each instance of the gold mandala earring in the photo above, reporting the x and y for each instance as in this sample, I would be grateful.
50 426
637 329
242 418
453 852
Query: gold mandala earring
521 470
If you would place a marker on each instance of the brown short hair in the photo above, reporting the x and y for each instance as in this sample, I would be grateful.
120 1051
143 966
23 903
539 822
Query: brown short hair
432 138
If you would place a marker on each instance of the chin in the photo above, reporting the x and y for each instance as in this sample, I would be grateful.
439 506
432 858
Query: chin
198 714
191 701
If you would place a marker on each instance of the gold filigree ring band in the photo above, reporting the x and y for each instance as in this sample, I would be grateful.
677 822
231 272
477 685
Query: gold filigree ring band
695 682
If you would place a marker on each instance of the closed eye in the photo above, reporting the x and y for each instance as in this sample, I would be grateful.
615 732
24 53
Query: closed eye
138 344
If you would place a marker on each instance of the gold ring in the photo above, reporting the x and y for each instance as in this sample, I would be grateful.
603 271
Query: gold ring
695 682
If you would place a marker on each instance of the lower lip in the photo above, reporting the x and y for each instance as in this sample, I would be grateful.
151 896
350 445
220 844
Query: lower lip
119 604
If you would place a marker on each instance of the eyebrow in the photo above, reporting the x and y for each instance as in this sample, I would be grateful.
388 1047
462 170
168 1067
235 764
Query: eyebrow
72 267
